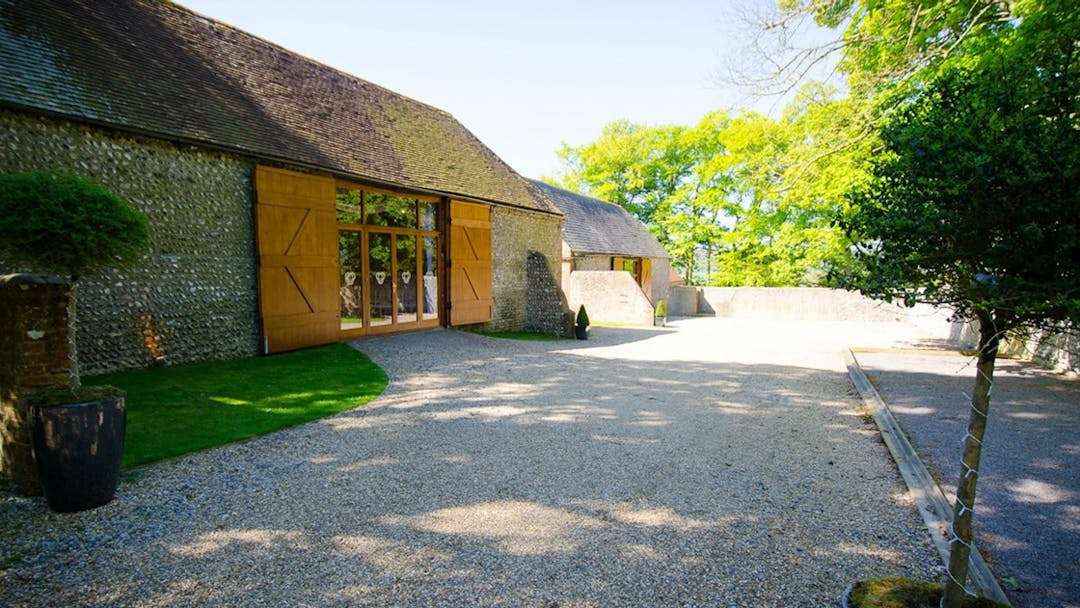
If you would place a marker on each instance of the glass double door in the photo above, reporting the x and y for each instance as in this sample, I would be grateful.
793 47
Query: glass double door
389 280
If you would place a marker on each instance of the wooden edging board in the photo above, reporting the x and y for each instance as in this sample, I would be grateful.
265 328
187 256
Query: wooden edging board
936 511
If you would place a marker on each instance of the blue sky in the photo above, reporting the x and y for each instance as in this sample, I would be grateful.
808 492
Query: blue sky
523 76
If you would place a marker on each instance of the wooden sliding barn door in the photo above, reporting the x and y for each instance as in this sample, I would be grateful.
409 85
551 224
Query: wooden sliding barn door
470 263
296 238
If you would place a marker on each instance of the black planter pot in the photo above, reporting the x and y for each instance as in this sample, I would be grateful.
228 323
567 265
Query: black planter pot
78 447
581 332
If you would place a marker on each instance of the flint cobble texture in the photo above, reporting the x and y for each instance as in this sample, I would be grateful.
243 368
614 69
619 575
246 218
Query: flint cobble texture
192 297
690 466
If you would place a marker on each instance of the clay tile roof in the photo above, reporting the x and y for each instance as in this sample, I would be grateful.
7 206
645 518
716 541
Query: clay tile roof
155 68
596 226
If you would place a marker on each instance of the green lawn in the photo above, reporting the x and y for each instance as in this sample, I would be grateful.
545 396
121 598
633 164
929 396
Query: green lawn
521 335
176 410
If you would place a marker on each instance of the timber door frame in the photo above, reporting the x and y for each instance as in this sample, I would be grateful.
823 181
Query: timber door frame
365 231
296 249
470 289
299 260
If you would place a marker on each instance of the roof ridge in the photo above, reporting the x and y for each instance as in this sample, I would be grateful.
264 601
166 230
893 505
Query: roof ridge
542 184
157 68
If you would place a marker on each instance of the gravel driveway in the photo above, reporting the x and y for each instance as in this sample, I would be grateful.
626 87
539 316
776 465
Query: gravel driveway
715 463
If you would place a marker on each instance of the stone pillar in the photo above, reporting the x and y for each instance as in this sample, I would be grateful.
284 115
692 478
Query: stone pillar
545 305
34 354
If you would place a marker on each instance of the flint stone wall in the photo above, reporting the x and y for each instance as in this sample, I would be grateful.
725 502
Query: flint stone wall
516 237
193 297
545 307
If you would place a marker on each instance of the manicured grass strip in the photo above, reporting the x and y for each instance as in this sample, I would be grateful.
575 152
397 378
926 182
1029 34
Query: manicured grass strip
521 335
177 410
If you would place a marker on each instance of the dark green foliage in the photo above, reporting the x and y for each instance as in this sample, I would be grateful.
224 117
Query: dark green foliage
975 201
582 316
60 223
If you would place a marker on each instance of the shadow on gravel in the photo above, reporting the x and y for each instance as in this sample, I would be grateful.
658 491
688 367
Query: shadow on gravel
1028 510
532 474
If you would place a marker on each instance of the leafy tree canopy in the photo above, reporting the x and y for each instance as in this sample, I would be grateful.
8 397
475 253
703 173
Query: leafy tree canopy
975 201
753 196
65 224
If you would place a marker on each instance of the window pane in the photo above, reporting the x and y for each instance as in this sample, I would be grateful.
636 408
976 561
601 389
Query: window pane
428 215
389 210
352 280
431 277
407 279
348 206
380 281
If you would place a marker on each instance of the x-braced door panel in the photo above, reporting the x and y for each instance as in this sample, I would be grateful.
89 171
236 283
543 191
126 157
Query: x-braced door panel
470 263
296 236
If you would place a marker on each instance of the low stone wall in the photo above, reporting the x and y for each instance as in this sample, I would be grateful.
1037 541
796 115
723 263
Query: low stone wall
193 297
1056 350
610 297
802 303
812 304
683 301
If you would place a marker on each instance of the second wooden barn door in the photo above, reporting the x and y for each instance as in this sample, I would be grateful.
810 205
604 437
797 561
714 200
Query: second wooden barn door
298 259
470 263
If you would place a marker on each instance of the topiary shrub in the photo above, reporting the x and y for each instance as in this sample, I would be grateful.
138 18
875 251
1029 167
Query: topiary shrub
60 223
582 316
64 224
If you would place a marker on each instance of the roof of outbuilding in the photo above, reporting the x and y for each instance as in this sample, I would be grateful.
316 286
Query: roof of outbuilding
596 226
155 68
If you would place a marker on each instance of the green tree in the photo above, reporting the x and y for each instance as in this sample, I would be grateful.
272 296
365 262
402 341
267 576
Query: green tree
878 45
788 175
689 219
635 166
665 175
975 203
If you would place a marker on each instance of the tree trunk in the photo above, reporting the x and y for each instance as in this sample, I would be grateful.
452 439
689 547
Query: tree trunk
960 552
708 264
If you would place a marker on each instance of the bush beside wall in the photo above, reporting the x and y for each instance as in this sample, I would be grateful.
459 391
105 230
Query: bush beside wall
194 296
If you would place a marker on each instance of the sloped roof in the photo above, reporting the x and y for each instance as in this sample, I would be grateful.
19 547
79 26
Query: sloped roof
155 68
596 226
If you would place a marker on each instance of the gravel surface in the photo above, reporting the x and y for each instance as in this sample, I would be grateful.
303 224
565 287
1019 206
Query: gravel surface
715 463
1027 512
